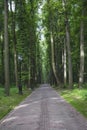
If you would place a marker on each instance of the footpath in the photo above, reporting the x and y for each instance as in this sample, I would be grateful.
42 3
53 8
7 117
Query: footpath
44 109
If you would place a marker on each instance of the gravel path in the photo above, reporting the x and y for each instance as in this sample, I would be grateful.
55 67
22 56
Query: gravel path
44 109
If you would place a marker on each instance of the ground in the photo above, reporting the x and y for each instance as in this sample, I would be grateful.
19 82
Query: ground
44 109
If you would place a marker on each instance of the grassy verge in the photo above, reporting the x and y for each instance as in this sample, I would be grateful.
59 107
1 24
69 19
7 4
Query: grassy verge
8 103
77 98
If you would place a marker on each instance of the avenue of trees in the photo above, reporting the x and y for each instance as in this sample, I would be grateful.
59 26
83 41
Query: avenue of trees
43 41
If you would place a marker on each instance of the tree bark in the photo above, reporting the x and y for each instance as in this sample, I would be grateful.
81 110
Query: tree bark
2 58
53 60
67 29
64 61
50 26
81 75
14 43
32 48
6 49
69 56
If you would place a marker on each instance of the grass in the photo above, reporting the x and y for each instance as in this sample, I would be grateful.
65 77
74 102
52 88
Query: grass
8 103
77 98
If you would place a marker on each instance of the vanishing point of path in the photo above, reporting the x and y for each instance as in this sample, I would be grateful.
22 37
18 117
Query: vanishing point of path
44 110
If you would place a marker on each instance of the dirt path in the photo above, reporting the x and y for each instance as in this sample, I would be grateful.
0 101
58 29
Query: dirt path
44 110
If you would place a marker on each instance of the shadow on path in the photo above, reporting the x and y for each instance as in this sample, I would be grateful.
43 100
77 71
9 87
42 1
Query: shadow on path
44 109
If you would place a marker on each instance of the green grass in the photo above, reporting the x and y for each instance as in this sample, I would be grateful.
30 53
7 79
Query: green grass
8 103
77 98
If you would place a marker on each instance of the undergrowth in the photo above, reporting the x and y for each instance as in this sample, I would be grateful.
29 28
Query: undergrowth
8 103
76 97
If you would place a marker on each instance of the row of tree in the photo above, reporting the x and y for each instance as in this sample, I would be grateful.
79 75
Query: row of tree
27 58
65 31
19 50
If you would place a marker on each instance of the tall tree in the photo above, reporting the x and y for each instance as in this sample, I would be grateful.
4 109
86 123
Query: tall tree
51 29
1 43
53 59
67 29
13 14
32 45
81 75
6 48
64 62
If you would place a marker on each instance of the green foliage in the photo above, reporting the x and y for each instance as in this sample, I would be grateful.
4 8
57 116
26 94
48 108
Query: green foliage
8 103
32 20
78 98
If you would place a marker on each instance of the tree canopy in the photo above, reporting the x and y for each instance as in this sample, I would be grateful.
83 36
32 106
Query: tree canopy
43 41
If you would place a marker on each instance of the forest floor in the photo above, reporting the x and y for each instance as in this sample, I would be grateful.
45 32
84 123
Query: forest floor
44 109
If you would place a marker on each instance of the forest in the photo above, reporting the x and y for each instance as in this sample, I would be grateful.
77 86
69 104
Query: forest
43 41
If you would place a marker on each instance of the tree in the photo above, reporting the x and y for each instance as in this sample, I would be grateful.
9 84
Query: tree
64 63
49 36
13 14
81 75
1 42
6 49
67 29
51 29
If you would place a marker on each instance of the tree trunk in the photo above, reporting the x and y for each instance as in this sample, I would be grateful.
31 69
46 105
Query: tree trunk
15 61
64 62
53 60
52 42
67 29
69 55
6 49
32 47
2 58
81 75
14 44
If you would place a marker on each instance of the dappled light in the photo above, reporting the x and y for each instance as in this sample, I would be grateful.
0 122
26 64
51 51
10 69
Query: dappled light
58 99
21 106
43 56
44 109
10 119
47 38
